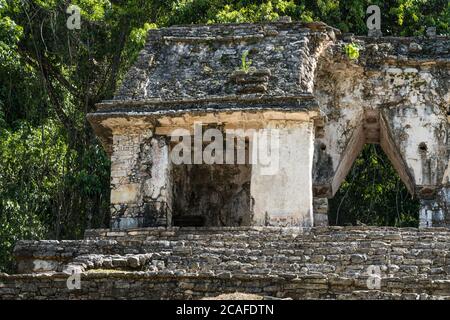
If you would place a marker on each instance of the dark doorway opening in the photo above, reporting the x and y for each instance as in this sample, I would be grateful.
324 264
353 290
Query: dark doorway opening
373 194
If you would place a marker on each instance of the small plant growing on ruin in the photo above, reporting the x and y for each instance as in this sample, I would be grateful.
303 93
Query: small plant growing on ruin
352 51
245 65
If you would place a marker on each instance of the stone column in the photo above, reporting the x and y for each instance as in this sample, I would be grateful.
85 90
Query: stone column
141 194
284 196
157 188
434 212
426 213
320 208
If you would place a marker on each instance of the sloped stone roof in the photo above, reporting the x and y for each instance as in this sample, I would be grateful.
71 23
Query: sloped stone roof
198 62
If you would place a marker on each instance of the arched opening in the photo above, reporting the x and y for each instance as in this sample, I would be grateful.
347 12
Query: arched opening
372 185
373 130
373 194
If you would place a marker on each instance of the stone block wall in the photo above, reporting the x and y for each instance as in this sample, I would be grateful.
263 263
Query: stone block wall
159 263
141 285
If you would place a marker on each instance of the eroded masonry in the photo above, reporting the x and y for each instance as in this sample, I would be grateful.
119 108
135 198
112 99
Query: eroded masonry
328 106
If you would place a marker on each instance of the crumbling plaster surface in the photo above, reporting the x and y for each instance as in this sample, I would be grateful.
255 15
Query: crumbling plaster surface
201 61
141 185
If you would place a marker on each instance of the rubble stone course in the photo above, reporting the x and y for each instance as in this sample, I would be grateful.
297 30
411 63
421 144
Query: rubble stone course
188 263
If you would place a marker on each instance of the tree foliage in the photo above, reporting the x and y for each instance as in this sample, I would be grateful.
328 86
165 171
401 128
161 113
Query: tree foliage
54 175
399 17
373 194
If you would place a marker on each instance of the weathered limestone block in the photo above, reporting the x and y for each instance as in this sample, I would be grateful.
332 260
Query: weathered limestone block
315 262
285 198
434 210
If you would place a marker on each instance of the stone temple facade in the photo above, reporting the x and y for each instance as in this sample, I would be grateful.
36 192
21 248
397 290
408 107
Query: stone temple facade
325 105
188 231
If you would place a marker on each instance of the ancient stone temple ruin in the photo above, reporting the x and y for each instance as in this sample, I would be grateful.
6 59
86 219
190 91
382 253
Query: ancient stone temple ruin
186 230
326 105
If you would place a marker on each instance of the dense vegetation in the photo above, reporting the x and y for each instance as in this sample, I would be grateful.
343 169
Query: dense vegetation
373 194
54 175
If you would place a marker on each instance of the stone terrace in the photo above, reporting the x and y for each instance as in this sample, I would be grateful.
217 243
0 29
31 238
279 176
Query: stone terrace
158 263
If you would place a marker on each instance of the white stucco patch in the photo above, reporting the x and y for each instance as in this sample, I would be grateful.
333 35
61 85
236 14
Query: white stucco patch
286 197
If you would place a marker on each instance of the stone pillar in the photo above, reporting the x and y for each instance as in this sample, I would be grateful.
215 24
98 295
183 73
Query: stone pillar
442 218
141 193
426 213
320 209
434 212
284 197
